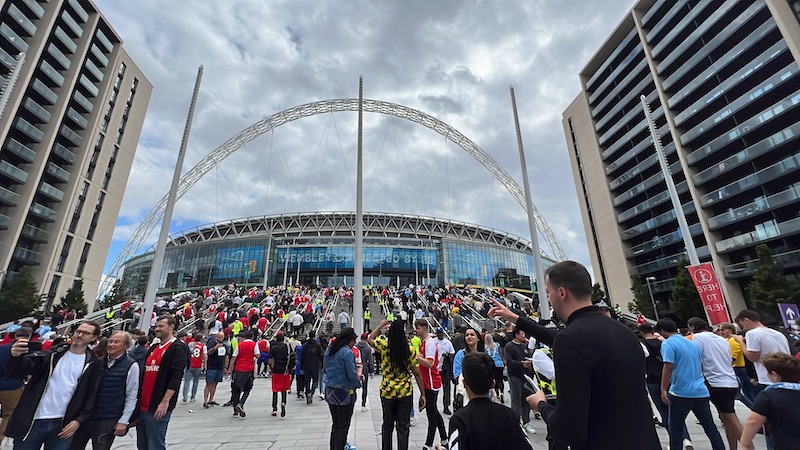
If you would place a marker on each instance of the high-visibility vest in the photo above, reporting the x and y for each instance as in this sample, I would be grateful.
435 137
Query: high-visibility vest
109 314
367 315
548 386
390 316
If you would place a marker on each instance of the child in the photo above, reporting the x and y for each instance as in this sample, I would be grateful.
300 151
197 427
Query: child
777 405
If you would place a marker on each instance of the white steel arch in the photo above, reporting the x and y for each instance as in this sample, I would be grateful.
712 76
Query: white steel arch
324 107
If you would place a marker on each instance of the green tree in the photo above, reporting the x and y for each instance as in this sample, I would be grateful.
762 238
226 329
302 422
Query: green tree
73 299
768 286
20 298
641 297
685 300
112 298
598 294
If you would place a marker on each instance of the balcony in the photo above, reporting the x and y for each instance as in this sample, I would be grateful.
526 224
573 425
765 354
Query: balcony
57 172
760 205
37 110
101 58
8 60
71 136
58 56
28 256
13 38
34 7
8 197
62 152
661 241
77 118
65 40
101 37
84 102
35 234
13 173
43 212
668 261
747 268
764 232
46 93
94 70
655 222
71 24
21 150
650 203
20 18
79 10
5 222
29 130
777 170
52 73
88 85
51 192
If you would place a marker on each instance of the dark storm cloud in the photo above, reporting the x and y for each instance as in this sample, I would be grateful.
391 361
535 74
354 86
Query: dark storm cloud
454 60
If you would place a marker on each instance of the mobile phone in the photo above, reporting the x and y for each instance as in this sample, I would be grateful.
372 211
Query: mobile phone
530 386
34 347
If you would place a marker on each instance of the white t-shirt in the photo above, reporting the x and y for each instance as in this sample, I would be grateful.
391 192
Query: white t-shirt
765 340
543 364
60 387
445 347
717 360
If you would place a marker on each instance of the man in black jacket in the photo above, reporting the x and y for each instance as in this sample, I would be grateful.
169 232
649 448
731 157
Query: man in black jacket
311 357
60 394
600 371
483 424
161 379
518 359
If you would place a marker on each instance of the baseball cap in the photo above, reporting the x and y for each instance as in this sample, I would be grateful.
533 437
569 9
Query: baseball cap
603 304
440 330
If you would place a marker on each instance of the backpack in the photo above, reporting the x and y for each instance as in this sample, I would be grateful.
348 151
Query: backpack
654 361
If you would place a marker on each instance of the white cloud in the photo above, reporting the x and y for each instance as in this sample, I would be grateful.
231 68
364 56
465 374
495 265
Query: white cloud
454 60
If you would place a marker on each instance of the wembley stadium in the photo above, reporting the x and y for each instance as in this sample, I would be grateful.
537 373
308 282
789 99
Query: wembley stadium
319 248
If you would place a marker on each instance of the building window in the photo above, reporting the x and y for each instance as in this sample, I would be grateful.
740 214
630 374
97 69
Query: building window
128 104
795 5
98 144
76 214
51 293
84 258
62 259
96 216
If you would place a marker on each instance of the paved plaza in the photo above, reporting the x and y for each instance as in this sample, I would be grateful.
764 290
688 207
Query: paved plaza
307 427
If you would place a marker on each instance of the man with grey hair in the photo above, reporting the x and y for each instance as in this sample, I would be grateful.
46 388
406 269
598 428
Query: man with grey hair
112 411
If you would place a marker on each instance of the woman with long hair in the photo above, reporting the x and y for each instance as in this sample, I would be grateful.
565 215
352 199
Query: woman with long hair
493 350
474 344
340 387
396 391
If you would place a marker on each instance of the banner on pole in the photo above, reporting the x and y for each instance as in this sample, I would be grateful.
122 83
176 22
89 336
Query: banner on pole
705 280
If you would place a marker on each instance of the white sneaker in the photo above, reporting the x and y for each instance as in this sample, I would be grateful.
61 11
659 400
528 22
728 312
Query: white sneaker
364 408
413 422
529 429
687 445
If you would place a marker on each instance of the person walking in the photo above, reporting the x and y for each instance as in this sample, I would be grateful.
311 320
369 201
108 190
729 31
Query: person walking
493 350
340 386
757 342
602 401
746 395
399 362
112 412
311 360
683 387
431 380
720 377
218 357
344 319
161 380
60 394
241 368
446 352
368 370
519 360
197 363
280 363
472 343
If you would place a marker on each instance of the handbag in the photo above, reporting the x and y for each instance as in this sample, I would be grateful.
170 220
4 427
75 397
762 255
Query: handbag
339 396
460 398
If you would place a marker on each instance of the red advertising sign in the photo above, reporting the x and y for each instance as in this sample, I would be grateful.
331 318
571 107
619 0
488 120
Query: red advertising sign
705 280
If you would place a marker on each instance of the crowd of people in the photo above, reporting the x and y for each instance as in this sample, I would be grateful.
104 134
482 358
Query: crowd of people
589 378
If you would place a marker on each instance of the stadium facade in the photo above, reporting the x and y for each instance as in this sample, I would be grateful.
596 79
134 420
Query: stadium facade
318 248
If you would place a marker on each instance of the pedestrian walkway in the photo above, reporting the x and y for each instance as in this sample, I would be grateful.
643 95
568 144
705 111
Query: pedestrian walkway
307 427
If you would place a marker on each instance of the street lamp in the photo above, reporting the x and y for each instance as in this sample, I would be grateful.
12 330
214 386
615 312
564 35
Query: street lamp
648 280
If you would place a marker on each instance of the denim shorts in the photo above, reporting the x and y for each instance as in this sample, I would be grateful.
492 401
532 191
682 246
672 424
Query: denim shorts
213 375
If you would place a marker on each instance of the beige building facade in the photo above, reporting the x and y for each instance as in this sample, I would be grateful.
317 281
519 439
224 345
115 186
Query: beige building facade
74 110
721 79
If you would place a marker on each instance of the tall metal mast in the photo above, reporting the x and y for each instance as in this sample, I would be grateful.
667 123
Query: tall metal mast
544 305
358 265
158 258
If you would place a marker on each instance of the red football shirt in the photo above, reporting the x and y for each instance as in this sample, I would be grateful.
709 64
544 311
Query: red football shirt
151 366
196 358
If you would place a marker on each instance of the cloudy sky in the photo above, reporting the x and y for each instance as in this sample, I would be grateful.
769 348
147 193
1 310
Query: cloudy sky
454 60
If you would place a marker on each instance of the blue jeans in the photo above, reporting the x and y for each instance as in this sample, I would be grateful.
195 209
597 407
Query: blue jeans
44 432
151 434
678 410
663 409
192 375
746 388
